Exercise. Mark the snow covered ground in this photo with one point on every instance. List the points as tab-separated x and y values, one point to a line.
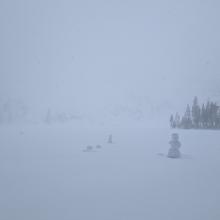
45	175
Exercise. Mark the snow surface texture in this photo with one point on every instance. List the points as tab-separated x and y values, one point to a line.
45	174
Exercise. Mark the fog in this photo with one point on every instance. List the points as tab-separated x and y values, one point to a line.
115	70
89	57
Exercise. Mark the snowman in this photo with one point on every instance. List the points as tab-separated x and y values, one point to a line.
110	139
175	145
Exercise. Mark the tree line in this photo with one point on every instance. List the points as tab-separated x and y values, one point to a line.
205	116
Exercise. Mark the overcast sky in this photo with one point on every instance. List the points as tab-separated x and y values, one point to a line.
82	53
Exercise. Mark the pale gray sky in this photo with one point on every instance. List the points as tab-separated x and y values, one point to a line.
75	53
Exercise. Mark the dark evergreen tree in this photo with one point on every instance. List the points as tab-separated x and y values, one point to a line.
196	113
172	124
177	120
207	110
203	117
213	115
218	117
187	120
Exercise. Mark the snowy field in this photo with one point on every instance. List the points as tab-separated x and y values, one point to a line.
45	175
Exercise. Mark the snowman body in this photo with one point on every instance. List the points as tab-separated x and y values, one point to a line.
175	144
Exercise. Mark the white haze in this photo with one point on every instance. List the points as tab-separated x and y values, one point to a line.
115	70
89	57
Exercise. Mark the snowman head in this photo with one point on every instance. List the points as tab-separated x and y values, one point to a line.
175	137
